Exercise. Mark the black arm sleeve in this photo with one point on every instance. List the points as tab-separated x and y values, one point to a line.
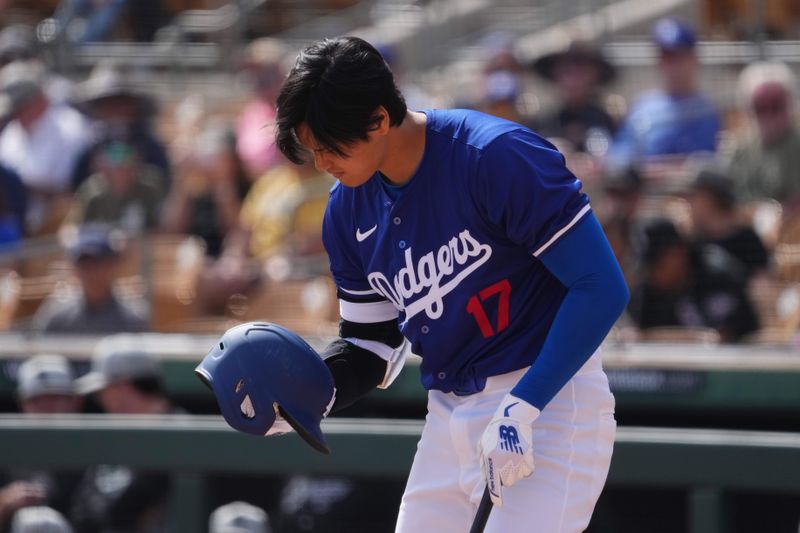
357	371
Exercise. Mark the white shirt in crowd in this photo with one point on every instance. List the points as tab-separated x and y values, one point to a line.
45	156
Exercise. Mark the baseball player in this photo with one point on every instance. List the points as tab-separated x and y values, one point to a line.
465	239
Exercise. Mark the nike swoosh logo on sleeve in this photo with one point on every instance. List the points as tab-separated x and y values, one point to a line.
361	236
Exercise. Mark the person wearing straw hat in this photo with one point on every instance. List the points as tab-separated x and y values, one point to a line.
120	108
577	74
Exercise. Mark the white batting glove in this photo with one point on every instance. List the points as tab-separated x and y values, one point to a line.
505	449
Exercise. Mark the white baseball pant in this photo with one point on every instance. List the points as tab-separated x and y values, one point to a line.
572	443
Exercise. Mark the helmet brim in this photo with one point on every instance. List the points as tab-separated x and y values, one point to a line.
308	431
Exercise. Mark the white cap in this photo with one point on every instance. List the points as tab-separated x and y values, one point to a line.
117	364
238	517
39	520
44	374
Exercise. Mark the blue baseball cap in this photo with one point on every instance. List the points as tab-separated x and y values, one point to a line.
94	240
673	35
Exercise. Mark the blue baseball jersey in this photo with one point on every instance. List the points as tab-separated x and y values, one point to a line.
454	256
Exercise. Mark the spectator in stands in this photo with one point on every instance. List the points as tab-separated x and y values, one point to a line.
18	42
13	205
96	252
88	21
119	109
501	91
677	120
717	222
333	504
682	286
124	192
238	517
124	380
622	189
499	54
39	519
44	386
765	162
282	213
281	218
264	65
206	196
41	143
13	195
577	74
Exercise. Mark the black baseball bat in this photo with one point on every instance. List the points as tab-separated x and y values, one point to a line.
482	516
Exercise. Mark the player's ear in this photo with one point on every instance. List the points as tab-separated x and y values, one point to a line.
381	121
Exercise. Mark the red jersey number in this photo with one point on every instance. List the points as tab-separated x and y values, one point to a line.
475	307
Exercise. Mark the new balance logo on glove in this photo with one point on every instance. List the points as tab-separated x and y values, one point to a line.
509	439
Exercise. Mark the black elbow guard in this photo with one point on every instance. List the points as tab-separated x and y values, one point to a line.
357	371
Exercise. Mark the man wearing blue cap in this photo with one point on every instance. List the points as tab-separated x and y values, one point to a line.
676	120
93	305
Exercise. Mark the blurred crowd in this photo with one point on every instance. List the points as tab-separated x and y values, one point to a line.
156	233
108	225
209	225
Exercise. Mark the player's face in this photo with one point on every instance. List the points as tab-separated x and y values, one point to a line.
360	161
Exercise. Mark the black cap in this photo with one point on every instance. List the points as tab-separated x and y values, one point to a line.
656	237
720	186
626	179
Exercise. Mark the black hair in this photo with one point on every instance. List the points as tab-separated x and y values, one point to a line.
335	87
658	236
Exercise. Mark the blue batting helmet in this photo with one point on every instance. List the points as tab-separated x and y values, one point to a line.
259	369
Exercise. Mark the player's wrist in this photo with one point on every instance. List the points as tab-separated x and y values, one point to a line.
520	410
